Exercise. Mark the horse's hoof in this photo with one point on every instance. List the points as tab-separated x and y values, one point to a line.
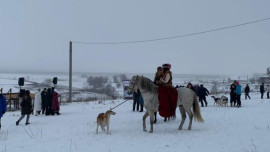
179	128
145	130
189	128
150	131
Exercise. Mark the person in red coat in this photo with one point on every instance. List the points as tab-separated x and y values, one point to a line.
55	103
167	94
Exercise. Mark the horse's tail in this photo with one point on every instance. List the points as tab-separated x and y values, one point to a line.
196	110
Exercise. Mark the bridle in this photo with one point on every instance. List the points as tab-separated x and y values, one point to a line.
133	85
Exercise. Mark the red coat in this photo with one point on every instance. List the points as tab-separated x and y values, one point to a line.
55	102
167	97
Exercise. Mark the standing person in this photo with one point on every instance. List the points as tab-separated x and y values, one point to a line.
37	103
233	94
3	107
55	103
141	101
262	90
202	93
190	86
48	101
238	94
43	96
27	108
136	96
268	90
247	90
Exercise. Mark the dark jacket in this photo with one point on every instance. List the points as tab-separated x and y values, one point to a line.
262	89
3	105
141	101
136	96
202	92
43	98
233	88
26	105
247	89
48	98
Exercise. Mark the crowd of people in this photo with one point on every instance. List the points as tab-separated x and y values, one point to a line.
46	102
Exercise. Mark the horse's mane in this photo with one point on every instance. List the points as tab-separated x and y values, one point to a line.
147	84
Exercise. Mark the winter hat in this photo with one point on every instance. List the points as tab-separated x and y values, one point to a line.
237	82
166	65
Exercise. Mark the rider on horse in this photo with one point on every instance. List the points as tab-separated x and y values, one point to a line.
167	94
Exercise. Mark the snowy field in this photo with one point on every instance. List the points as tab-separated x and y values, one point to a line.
225	129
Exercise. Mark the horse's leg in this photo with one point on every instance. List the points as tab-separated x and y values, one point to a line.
144	118
183	116
190	114
151	113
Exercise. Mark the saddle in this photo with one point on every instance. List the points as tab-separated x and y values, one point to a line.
167	96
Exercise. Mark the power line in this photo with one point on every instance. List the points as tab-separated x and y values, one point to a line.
171	37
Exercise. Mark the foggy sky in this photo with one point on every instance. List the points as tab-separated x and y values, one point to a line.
35	35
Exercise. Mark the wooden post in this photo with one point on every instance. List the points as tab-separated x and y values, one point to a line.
70	72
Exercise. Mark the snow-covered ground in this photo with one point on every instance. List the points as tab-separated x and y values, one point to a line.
226	129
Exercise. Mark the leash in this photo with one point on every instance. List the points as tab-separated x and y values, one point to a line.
119	104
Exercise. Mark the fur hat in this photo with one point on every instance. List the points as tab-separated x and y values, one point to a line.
166	65
159	68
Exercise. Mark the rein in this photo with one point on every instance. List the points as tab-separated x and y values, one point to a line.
119	104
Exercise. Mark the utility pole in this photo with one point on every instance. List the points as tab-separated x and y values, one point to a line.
70	72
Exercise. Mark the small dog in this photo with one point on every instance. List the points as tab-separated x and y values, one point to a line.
223	100
215	99
103	119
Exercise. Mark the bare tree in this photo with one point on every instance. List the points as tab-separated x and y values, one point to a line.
214	89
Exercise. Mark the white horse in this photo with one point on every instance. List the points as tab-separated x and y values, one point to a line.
187	99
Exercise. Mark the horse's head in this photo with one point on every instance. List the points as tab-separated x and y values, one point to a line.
133	87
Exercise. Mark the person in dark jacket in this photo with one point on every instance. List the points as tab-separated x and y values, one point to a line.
136	96
233	94
141	101
27	108
202	93
48	101
262	90
247	90
43	94
190	86
268	90
3	107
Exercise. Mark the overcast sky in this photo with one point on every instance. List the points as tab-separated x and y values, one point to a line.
35	35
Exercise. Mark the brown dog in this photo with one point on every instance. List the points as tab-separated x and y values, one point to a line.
103	119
